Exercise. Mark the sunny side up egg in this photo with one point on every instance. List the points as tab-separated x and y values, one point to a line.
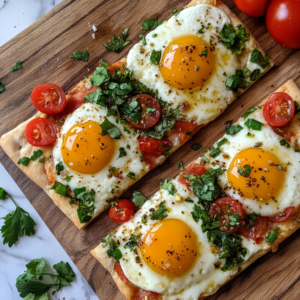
193	67
90	160
273	183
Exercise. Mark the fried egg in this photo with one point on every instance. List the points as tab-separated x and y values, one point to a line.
272	184
193	67
92	160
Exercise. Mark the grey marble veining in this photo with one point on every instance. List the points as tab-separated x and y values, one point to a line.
41	244
16	15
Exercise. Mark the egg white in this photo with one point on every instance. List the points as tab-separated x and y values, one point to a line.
101	182
289	193
208	101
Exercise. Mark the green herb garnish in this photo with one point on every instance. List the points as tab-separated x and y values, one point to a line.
80	55
169	186
138	199
149	24
247	171
18	66
253	124
155	57
257	58
160	213
117	44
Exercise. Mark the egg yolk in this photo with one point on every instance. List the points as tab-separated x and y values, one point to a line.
187	62
265	178
169	248
85	150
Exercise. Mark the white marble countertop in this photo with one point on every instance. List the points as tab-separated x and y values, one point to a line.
41	244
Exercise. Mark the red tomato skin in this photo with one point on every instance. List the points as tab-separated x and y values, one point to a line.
151	159
283	22
48	108
151	145
47	132
286	214
262	225
185	127
193	169
147	120
272	105
123	216
219	208
252	8
150	295
120	272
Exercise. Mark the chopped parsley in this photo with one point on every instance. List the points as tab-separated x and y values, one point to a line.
149	24
2	87
138	199
110	129
233	219
284	143
117	44
196	147
236	81
234	40
132	110
160	213
253	124
131	175
59	167
251	218
24	161
59	188
169	186
143	38
114	251
36	154
122	152
155	57
201	29
297	107
255	74
106	237
133	242
68	178
104	63
203	53
233	129
257	58
272	235
248	112
86	207
150	110
180	165
80	55
18	66
247	171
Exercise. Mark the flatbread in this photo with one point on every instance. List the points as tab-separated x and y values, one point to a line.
16	146
130	291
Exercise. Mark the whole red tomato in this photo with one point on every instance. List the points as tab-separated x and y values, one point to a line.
283	22
252	8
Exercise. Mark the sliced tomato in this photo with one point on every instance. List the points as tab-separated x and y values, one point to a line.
223	206
258	230
279	109
283	216
48	98
185	127
151	159
193	169
122	211
120	272
40	132
252	8
143	295
148	118
151	145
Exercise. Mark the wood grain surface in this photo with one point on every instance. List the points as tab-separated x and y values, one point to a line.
44	49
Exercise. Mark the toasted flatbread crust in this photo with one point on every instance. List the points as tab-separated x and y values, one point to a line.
286	228
16	146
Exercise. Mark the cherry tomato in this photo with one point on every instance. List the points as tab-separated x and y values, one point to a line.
150	295
151	145
252	8
193	169
122	211
48	98
258	230
219	208
120	272
279	109
151	159
284	216
283	22
40	132
148	119
185	127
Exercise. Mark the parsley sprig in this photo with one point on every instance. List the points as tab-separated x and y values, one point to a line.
117	44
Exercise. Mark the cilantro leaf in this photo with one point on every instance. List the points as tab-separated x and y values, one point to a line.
155	57
236	81
201	29
86	207
18	66
2	87
125	32
149	24
233	129
196	147
251	218
233	219
122	152
113	250
59	188
257	58
180	165
131	175
248	112
150	110
138	199
203	53
36	155
143	38
132	110
110	129
117	44
234	40
59	167
24	161
284	143
132	243
255	74
169	186
253	124
104	63
272	235
247	171
80	55
160	213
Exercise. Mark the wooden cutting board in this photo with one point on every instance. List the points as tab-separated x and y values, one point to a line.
44	49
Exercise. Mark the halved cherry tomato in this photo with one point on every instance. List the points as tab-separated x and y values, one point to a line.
185	127
279	109
258	230
48	98
120	272
283	22
150	295
151	145
73	104
122	211
219	208
284	216
193	169
148	119
40	132
151	159
252	8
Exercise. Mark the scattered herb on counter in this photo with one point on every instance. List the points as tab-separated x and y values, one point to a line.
18	66
2	87
196	147
149	24
180	165
104	63
117	44
16	224
138	199
80	55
